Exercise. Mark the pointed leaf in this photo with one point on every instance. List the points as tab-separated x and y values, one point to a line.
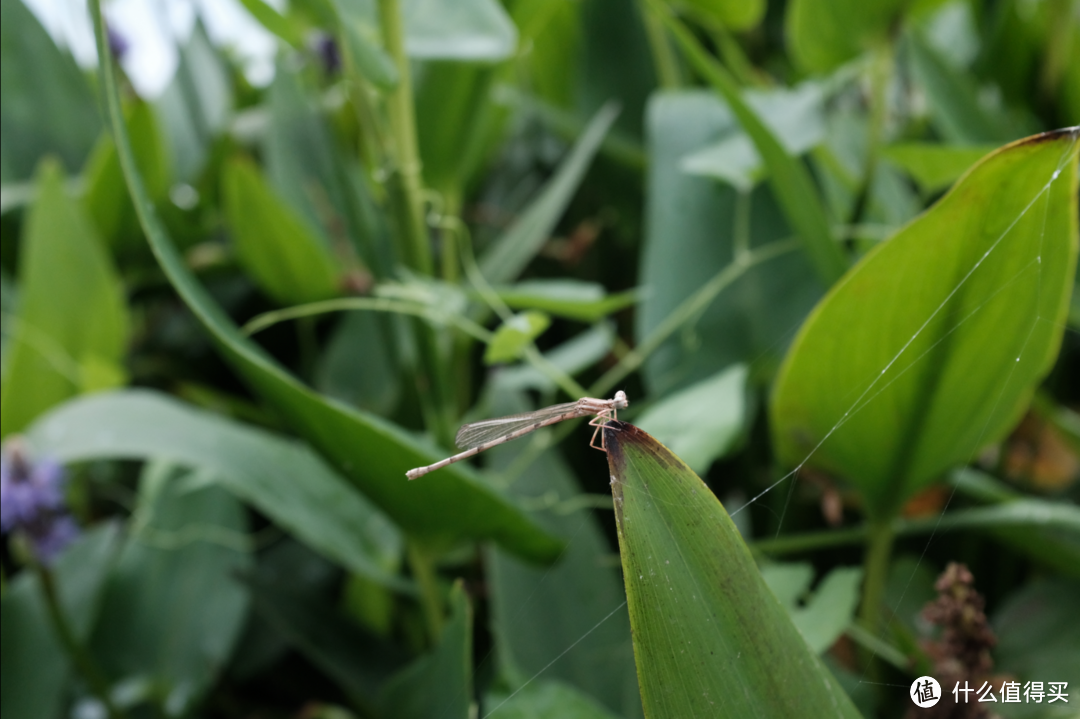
285	258
71	327
932	344
710	639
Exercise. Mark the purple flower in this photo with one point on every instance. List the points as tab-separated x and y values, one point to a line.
32	501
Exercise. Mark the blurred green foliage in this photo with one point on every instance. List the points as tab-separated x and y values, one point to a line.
808	239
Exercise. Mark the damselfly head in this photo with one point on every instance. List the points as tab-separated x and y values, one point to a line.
621	402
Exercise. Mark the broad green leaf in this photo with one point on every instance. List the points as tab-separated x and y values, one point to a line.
573	299
445	508
357	661
34	667
438	685
173	606
545	699
796	118
934	166
514	249
285	258
71	327
704	421
930	347
824	34
732	14
514	335
106	199
789	179
280	477
691	236
1038	636
710	639
537	615
45	101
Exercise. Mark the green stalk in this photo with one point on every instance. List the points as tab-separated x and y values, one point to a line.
407	191
876	573
406	195
83	661
423	571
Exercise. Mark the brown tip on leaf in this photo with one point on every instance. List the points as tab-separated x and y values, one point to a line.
618	436
1049	136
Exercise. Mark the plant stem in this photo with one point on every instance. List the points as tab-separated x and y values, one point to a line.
84	663
668	75
423	570
876	566
407	192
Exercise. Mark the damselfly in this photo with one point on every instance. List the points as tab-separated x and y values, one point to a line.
478	436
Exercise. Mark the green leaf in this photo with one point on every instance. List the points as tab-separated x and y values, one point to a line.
275	22
545	699
514	335
46	104
106	199
691	236
824	34
731	14
820	616
710	639
1038	636
357	661
197	106
364	42
458	30
255	465
796	118
173	608
953	99
34	667
933	166
71	320
938	336
704	421
283	256
437	685
444	509
537	615
789	179
573	299
571	357
378	388
514	249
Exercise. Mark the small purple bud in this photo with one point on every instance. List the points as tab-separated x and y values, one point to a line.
325	47
118	44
